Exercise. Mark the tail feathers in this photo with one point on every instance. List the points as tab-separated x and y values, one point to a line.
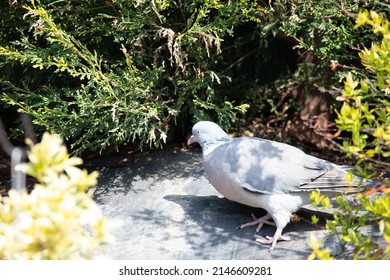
335	180
368	186
346	167
374	188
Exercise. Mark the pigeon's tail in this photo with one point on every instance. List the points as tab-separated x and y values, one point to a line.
334	180
374	187
369	186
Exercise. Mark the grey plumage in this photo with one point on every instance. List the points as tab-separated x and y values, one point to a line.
266	174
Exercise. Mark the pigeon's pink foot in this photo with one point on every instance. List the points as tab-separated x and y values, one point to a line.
272	240
258	221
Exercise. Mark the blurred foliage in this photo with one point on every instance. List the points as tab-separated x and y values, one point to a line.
58	219
318	251
365	113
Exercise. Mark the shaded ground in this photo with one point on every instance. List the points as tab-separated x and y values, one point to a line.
166	209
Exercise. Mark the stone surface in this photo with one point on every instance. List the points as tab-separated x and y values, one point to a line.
166	209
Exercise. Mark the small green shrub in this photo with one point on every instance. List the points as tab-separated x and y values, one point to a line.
106	72
365	111
365	114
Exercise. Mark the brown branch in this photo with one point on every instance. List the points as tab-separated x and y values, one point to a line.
238	61
182	12
345	12
27	128
341	148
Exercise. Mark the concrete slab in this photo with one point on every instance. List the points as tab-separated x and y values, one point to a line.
168	210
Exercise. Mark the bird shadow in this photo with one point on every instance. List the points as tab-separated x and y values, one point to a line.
218	220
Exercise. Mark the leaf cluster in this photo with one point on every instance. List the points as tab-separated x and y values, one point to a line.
365	114
106	72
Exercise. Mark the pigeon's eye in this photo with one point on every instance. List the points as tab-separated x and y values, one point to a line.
198	132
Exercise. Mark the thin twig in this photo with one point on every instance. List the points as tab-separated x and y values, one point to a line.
238	61
341	148
18	181
4	142
28	128
345	12
181	6
17	154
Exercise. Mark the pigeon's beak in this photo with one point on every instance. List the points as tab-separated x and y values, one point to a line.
190	140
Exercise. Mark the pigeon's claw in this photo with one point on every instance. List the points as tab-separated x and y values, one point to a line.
258	221
273	239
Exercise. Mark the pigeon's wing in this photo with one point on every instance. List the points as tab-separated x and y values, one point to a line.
334	179
270	167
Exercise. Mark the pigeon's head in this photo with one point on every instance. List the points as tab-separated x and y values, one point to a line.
207	134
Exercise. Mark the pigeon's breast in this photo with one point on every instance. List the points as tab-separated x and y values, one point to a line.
220	173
